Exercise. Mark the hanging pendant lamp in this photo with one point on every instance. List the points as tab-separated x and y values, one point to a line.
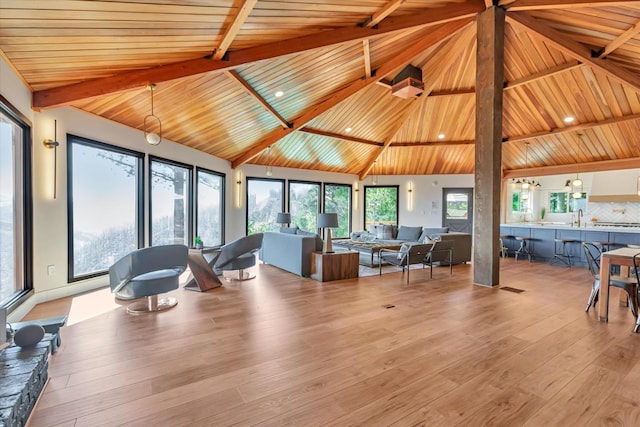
577	184
152	122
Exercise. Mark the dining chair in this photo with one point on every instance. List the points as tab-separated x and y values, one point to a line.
630	285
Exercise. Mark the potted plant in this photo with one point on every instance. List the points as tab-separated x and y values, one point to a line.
543	212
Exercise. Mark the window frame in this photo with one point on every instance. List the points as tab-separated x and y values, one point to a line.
196	198
320	197
139	222
189	193
246	197
26	214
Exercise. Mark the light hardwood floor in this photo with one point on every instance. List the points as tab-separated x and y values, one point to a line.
282	350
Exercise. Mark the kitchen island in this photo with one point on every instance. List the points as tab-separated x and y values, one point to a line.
543	235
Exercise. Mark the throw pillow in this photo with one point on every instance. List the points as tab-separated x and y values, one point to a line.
387	232
404	249
411	234
289	230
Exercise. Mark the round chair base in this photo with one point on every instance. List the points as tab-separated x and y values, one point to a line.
152	304
241	276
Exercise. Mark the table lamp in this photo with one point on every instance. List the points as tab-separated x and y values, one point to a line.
328	221
283	218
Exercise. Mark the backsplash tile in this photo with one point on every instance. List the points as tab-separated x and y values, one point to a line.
614	211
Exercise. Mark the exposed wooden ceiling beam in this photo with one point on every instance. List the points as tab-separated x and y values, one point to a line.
386	10
519	82
620	40
543	74
367	58
64	95
572	48
488	3
575	128
430	38
603	165
232	31
433	143
333	135
233	75
517	5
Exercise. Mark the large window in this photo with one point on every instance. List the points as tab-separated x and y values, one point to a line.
304	204
104	214
210	207
337	199
15	205
265	198
566	203
380	205
170	199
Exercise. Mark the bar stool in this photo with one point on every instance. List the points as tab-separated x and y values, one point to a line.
524	247
563	256
504	250
604	245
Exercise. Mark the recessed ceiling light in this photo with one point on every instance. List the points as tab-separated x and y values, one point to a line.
279	94
441	136
569	119
347	130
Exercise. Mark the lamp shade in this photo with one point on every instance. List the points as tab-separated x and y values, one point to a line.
328	220
283	218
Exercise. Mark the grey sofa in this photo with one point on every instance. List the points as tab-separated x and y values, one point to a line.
404	234
290	252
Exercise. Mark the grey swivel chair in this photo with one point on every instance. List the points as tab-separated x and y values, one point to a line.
409	253
147	273
239	255
440	254
630	285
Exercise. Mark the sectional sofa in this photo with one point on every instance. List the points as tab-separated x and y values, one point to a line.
392	234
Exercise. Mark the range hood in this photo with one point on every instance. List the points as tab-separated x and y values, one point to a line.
615	186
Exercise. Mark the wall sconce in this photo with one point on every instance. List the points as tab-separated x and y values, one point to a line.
151	137
355	199
410	196
239	189
53	143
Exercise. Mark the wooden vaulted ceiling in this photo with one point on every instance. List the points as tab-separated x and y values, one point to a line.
217	66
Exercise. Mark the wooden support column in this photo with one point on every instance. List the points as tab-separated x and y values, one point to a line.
489	86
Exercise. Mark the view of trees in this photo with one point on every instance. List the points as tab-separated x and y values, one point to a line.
265	198
337	198
381	205
304	205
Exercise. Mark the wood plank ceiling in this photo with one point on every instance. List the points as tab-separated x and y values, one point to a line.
218	65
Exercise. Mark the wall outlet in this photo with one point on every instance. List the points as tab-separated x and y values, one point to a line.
51	270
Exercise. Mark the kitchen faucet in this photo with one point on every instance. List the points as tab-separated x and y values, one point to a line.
580	213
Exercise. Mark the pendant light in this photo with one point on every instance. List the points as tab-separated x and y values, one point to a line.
525	183
269	169
152	122
577	184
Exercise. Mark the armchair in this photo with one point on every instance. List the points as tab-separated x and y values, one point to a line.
409	253
239	255
146	273
441	253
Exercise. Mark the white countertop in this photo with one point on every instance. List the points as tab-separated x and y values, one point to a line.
564	226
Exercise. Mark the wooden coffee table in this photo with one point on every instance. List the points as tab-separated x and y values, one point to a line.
371	248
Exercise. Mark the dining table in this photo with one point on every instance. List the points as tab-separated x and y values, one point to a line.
622	257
